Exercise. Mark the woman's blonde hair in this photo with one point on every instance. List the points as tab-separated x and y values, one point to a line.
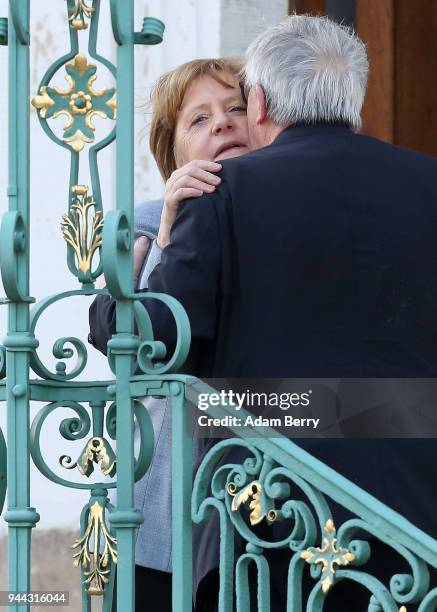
167	97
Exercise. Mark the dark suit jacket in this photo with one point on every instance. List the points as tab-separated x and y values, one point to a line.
316	257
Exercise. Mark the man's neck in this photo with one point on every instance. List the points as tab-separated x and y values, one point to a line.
271	132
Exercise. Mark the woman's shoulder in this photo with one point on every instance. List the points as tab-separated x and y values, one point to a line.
147	217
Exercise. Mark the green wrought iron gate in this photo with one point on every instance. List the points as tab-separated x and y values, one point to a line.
108	410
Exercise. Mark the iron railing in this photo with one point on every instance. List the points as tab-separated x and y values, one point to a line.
264	483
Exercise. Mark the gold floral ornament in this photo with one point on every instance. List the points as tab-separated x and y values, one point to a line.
79	103
259	505
82	232
328	555
77	15
96	566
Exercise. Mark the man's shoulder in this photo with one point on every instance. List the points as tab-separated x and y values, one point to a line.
396	150
406	166
304	151
245	168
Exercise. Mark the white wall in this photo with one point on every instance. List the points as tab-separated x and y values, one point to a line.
242	20
194	28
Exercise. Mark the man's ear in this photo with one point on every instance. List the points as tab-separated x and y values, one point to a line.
261	103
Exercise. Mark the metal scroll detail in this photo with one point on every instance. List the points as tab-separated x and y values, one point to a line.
137	359
94	403
328	555
80	102
95	565
97	547
259	506
295	518
82	232
78	14
97	450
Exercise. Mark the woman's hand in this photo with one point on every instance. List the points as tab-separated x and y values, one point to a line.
190	181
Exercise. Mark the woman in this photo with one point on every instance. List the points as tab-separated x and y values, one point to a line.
187	136
199	119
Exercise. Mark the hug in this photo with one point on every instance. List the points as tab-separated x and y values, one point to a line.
299	248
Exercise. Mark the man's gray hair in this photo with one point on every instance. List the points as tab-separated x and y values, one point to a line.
311	69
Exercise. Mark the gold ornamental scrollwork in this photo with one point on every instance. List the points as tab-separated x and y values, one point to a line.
43	102
79	103
254	492
78	14
328	555
82	231
97	450
96	565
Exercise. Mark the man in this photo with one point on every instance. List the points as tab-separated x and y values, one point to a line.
317	255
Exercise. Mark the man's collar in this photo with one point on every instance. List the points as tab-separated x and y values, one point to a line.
304	129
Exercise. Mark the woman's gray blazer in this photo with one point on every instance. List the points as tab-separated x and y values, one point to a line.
153	491
152	494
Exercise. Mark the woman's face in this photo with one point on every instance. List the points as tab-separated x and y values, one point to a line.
212	122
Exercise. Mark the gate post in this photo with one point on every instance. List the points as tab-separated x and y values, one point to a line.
19	342
124	344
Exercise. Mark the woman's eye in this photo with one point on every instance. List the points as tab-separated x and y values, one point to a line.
241	109
199	119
